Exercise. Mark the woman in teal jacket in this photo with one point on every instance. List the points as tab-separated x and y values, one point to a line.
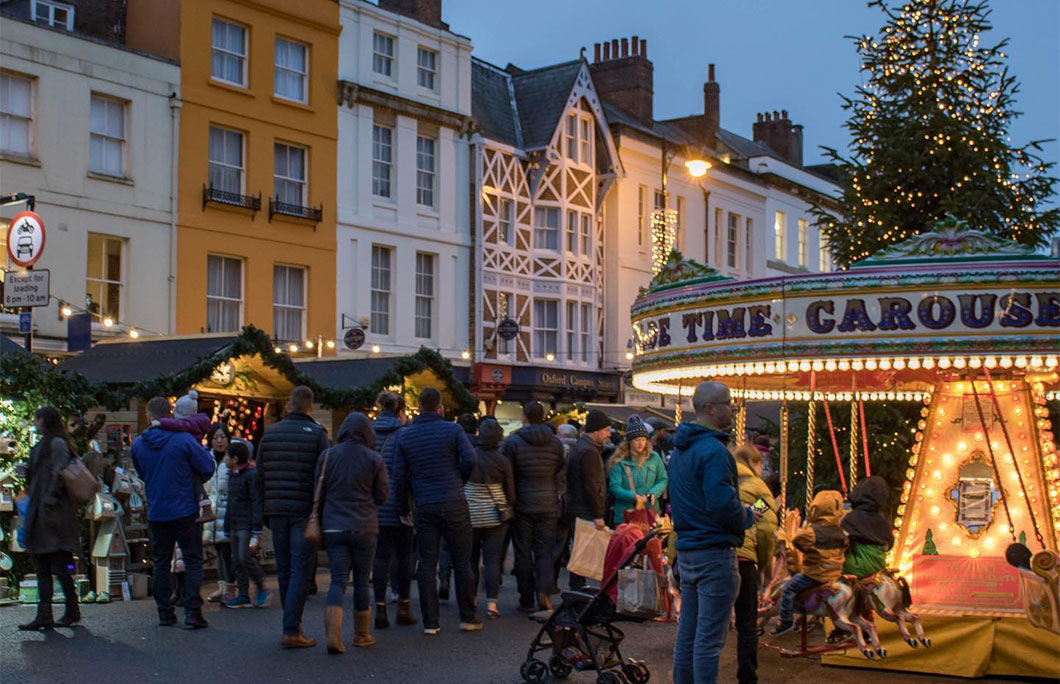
634	460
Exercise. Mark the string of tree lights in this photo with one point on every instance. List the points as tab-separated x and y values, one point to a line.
929	136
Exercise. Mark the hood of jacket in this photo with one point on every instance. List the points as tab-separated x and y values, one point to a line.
357	428
536	435
490	434
869	495
864	522
826	508
157	439
690	433
386	422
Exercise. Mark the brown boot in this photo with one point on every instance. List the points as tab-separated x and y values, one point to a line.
381	619
297	641
333	628
405	616
362	628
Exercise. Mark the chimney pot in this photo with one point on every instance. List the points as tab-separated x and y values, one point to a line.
710	72
635	45
776	115
614	48
783	113
607	51
759	117
625	47
596	52
644	47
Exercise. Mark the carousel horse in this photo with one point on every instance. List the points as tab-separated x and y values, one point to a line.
891	596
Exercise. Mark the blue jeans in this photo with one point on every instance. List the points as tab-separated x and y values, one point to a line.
710	581
795	586
294	560
451	521
346	551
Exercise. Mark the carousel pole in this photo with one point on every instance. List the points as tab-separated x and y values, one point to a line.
677	406
811	437
741	418
784	455
853	442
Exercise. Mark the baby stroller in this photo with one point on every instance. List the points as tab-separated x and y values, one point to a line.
580	629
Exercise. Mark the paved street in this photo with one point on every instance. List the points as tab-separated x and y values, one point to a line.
120	643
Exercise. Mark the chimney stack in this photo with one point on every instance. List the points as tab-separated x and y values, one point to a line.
427	11
624	79
783	137
596	52
711	109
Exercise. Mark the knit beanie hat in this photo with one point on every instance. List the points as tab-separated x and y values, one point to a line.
187	406
636	428
596	420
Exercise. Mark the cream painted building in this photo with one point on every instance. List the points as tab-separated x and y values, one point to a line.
89	128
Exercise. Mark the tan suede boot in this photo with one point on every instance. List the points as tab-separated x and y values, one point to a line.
333	629
362	628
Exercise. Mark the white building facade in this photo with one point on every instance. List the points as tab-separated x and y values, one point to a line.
404	244
90	129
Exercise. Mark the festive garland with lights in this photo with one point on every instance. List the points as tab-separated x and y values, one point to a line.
78	394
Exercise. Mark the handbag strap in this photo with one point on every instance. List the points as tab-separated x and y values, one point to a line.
320	483
490	492
632	486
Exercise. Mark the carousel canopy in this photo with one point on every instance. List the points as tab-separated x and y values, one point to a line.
947	300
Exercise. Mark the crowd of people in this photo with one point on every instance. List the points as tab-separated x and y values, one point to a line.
392	498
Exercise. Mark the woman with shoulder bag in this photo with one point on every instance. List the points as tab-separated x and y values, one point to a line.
636	474
52	530
490	493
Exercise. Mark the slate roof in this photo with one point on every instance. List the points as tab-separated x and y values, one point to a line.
660	129
540	96
120	363
744	148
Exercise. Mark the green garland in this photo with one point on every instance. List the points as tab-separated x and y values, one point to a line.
72	393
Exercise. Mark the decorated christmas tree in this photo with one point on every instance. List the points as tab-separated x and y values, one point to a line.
929	129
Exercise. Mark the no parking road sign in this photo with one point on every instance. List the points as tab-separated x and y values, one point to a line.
25	239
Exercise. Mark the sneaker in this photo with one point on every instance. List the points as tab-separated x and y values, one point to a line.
783	628
241	601
261	599
472	625
433	631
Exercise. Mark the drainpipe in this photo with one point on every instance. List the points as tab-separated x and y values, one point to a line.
477	343
706	226
174	178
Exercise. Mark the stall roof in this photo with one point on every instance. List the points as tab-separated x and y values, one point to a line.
9	346
120	363
341	373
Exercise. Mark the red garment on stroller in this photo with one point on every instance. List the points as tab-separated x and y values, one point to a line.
622	542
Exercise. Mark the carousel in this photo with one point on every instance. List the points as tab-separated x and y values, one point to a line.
965	324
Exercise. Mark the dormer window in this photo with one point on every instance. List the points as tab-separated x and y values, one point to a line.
54	14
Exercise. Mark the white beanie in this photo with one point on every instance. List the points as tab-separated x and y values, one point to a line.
187	406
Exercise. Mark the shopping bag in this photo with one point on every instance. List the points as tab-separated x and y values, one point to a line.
589	549
640	592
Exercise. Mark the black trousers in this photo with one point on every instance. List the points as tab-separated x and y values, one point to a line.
393	549
746	609
187	534
50	565
450	521
534	537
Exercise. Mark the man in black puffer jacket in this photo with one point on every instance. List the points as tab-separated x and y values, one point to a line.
537	460
287	458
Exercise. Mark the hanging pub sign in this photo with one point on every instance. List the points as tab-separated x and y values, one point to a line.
353	339
507	329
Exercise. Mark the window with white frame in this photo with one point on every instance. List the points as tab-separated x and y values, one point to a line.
546	327
572	137
16	114
382	154
425	170
572	231
228	61
224	293
586	323
505	218
425	266
54	14
804	242
288	303
226	160
107	136
780	238
824	263
105	276
718	257
381	260
587	235
732	240
288	180
383	54
291	75
546	228
748	246
642	200
426	68
585	139
572	330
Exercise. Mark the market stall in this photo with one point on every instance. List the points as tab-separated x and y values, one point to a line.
966	324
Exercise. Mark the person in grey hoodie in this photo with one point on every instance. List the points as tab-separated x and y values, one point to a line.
353	484
538	461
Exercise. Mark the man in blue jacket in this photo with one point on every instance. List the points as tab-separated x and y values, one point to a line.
169	463
433	459
709	521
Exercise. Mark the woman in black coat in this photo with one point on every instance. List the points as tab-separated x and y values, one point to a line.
52	531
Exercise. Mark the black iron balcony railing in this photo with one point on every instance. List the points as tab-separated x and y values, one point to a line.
230	199
314	214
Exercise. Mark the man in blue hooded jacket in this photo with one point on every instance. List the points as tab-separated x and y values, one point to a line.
169	463
709	521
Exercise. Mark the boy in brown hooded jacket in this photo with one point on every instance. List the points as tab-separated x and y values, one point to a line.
823	543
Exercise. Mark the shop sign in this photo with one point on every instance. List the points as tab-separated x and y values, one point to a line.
576	382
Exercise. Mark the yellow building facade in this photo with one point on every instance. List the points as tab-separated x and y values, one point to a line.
257	160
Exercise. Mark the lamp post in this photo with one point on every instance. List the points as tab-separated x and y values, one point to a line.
664	220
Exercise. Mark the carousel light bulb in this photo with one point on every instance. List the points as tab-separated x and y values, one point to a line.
899	364
990	362
1021	362
817	366
975	362
944	363
973	553
804	366
843	365
871	364
1006	362
914	364
1037	362
928	363
885	364
959	362
934	510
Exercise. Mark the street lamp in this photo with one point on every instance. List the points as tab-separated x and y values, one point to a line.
664	220
697	168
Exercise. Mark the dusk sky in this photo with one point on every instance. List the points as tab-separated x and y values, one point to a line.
770	54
